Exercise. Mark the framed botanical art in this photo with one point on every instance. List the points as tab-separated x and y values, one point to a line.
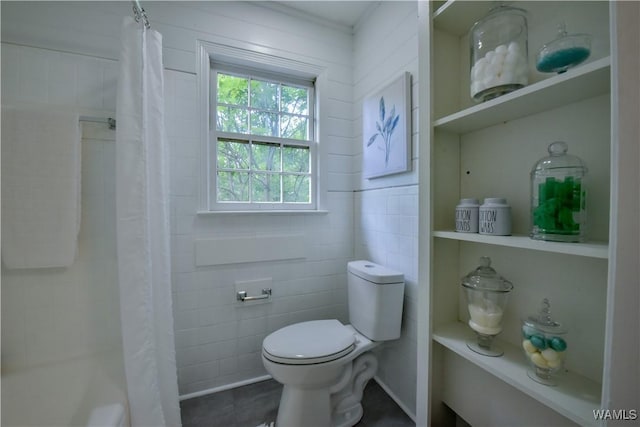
386	129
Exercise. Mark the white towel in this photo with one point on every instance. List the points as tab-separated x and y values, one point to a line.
40	187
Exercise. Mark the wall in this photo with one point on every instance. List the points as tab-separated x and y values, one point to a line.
56	314
217	340
386	209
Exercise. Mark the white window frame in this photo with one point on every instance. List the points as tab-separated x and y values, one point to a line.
266	65
251	139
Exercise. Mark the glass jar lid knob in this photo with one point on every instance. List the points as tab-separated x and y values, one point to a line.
544	321
558	148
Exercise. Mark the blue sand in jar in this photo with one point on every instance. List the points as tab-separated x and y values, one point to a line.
558	60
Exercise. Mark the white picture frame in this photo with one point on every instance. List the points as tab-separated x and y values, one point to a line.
386	129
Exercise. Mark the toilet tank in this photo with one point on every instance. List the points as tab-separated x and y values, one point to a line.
376	295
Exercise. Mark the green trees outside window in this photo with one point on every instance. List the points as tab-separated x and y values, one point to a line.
263	141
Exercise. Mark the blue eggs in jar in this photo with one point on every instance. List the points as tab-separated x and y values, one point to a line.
558	344
539	342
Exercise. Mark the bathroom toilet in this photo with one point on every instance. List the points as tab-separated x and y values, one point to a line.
325	365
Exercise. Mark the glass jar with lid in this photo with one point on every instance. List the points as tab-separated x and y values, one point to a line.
564	52
486	293
544	344
558	196
499	54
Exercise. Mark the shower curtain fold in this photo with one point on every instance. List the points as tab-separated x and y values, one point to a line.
142	200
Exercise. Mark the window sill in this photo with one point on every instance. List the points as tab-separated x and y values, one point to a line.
266	212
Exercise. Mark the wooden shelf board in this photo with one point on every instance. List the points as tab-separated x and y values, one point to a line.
575	85
575	397
590	249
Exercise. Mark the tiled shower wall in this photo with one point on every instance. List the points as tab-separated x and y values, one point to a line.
55	314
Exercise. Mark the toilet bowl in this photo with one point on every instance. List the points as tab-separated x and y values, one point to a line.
324	365
314	375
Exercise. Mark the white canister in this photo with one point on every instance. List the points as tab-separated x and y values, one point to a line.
467	216
495	217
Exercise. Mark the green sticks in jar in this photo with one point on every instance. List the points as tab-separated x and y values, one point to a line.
558	196
558	200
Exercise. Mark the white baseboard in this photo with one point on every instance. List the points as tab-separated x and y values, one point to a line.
395	398
225	387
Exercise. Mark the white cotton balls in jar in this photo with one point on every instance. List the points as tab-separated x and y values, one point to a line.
503	70
499	57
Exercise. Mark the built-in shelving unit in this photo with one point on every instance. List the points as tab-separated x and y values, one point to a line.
478	150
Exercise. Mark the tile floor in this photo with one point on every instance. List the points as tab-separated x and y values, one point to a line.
254	404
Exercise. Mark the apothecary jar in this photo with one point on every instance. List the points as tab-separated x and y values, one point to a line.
499	53
558	196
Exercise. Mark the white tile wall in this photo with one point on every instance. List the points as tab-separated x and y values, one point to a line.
386	209
217	341
387	234
50	315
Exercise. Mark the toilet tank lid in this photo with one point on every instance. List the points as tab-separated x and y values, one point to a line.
374	273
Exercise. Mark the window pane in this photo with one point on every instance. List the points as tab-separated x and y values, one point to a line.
264	123
266	187
231	119
266	157
233	90
295	159
293	127
233	154
264	95
262	153
295	100
296	188
233	187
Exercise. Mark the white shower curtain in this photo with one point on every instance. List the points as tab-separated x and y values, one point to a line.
142	199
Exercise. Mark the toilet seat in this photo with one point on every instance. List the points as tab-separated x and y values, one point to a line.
306	343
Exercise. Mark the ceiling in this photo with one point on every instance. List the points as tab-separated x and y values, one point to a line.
344	13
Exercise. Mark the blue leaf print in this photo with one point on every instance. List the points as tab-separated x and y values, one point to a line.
395	123
388	122
385	129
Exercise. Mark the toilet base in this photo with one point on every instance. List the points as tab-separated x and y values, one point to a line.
304	407
346	403
326	406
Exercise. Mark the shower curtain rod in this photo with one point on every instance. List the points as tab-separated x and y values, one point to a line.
109	120
140	14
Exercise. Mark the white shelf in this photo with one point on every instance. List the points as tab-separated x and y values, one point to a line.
575	85
591	249
575	396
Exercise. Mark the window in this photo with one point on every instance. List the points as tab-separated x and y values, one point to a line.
262	141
